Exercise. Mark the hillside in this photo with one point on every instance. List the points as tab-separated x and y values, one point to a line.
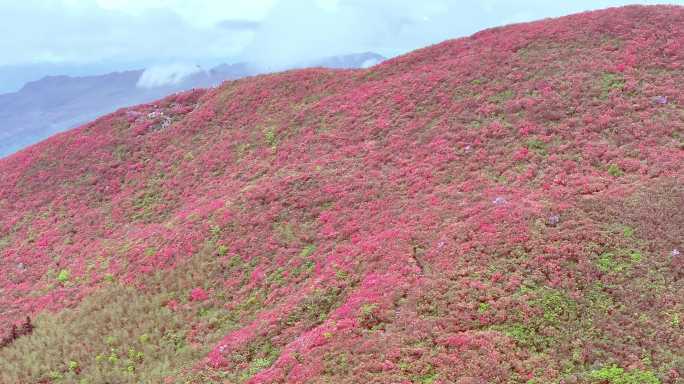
56	103
500	208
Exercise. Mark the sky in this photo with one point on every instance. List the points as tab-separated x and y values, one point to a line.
80	37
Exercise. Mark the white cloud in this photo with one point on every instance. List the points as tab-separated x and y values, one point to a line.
162	75
89	31
198	13
328	5
369	63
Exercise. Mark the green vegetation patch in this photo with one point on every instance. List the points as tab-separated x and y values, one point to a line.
616	375
337	364
537	146
270	137
307	250
611	82
614	170
63	276
258	356
556	306
525	335
145	204
502	96
316	307
618	261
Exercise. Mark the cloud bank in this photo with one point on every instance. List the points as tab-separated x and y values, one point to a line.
162	75
82	32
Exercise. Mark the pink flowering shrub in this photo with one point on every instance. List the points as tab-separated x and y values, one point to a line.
500	208
198	294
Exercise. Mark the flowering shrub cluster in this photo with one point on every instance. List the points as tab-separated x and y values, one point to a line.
501	208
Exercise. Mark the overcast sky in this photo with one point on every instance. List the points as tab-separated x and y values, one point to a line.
85	36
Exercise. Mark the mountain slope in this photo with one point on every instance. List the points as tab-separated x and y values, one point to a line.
56	103
502	208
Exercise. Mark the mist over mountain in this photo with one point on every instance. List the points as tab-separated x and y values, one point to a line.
56	103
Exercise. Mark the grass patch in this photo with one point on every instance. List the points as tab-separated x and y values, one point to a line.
502	96
258	356
537	146
121	334
308	250
145	205
144	342
337	364
316	307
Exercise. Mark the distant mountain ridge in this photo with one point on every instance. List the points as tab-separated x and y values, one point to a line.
56	103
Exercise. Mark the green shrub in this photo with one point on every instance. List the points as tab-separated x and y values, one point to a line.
73	366
616	375
614	170
270	137
222	250
557	306
63	276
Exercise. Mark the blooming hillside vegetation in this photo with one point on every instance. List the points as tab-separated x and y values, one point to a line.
501	208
